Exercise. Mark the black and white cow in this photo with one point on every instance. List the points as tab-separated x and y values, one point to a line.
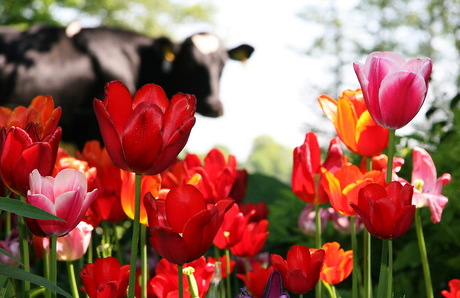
73	67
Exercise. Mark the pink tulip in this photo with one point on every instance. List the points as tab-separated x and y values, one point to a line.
72	246
427	187
394	89
65	196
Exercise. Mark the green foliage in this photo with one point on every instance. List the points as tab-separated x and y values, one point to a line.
152	17
270	158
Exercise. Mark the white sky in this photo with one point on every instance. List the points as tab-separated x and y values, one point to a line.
268	94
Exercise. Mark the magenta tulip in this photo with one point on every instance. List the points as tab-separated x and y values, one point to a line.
394	89
427	186
65	196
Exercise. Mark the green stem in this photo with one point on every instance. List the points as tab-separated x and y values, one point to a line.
24	247
330	289
319	287
390	269
53	262
72	279
117	244
227	271
135	238
383	281
354	246
423	254
193	286
391	153
367	251
144	261
180	284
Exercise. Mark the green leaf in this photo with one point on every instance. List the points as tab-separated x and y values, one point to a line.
25	209
2	251
18	273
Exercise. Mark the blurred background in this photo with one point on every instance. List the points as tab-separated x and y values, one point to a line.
303	49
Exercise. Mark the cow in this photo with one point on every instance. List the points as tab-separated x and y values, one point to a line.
73	65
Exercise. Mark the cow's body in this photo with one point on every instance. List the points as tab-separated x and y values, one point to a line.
74	69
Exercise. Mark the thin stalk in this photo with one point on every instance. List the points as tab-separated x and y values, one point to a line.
72	279
181	284
53	262
423	254
330	289
135	238
144	261
390	269
227	271
24	247
318	240
367	252
382	288
391	153
355	274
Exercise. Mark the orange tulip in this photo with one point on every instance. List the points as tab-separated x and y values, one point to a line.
353	123
343	186
338	263
149	183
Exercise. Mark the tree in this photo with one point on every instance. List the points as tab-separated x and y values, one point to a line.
153	17
270	158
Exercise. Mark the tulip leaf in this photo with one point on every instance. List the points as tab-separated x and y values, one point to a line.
2	251
25	209
20	274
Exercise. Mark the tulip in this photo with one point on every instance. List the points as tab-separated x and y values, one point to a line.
70	247
64	196
301	269
10	245
307	178
253	240
307	219
149	183
40	113
427	187
338	263
232	228
218	174
165	281
353	123
343	186
258	211
182	226
454	289
256	278
105	278
394	89
387	211
144	134
22	152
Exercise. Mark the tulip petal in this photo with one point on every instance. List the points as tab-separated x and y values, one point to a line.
118	104
424	169
169	245
401	96
151	94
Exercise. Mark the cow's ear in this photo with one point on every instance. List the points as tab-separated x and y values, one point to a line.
167	48
241	52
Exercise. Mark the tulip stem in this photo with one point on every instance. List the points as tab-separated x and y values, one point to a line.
319	287
354	291
135	238
72	279
180	281
144	263
423	254
227	271
391	153
367	252
386	270
24	247
331	289
53	262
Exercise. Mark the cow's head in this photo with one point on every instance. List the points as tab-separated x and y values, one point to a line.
197	68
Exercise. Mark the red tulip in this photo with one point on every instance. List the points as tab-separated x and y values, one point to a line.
301	269
307	178
387	211
253	240
182	226
454	289
394	89
353	123
232	228
256	278
22	152
105	278
64	196
144	134
218	174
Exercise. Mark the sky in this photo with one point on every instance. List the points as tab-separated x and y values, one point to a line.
267	95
